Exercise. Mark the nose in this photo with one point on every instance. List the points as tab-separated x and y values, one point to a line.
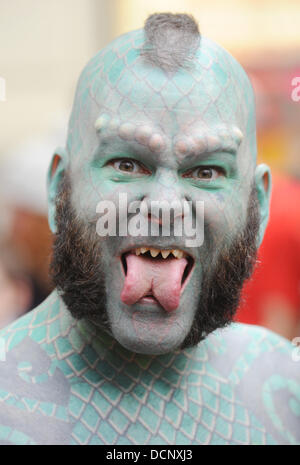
165	198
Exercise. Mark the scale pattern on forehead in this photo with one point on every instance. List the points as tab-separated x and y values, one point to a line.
118	82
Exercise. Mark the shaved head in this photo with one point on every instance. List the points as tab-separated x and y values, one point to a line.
169	55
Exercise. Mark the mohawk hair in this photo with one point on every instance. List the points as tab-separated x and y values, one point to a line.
171	40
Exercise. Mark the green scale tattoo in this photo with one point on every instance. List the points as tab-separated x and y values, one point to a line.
64	382
131	347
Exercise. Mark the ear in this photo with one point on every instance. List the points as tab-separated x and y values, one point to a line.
56	169
263	182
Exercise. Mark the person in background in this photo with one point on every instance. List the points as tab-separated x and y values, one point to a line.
25	237
17	294
272	297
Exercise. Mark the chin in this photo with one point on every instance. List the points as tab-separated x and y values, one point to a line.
146	328
149	345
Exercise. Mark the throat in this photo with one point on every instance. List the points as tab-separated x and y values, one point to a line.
127	369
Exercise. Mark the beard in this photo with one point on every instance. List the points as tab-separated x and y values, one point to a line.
77	272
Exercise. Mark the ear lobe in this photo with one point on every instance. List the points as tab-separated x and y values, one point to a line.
263	183
55	172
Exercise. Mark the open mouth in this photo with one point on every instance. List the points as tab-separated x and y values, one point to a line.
156	276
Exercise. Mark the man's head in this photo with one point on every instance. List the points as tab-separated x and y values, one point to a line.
159	114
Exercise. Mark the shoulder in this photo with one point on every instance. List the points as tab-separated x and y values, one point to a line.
248	347
31	330
31	346
34	391
264	371
256	338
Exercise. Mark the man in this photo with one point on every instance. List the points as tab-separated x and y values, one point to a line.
125	350
25	235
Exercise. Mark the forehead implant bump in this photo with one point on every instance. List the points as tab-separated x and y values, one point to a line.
156	143
127	131
114	124
237	135
227	139
101	122
144	134
184	145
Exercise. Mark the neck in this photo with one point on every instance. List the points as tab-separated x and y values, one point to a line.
100	350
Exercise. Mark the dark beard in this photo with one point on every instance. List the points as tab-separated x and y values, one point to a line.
221	289
75	267
77	274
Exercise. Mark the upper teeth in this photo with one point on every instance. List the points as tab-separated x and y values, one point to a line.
165	253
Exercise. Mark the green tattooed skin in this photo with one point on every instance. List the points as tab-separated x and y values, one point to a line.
155	119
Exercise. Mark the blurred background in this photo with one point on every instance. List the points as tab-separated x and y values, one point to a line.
43	47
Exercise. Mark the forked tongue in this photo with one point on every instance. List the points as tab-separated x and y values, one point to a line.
157	276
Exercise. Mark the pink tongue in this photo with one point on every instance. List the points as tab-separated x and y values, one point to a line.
157	276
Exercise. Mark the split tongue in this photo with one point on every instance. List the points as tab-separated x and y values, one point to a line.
157	276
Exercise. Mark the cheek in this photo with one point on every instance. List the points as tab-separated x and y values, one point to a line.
90	187
224	217
84	200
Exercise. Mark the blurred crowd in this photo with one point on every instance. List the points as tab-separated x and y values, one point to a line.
25	237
